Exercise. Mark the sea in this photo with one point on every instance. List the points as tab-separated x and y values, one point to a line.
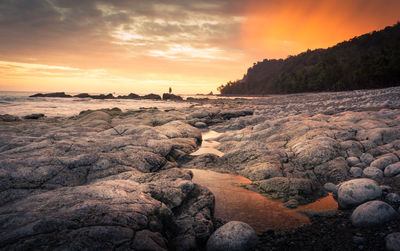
20	104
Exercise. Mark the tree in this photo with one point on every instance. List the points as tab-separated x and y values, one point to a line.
170	90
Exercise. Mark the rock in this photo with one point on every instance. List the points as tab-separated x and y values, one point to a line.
355	192
361	165
51	95
200	125
152	96
353	161
393	197
316	151
34	116
286	188
168	96
330	187
383	161
82	95
102	96
291	203
392	170
367	158
393	241
233	236
372	172
130	96
9	118
262	171
356	172
373	213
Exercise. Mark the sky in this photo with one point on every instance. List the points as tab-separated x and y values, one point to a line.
143	46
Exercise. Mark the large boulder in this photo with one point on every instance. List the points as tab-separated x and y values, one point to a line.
392	170
373	213
233	236
355	192
384	160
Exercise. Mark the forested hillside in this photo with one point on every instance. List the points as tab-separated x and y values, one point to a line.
368	61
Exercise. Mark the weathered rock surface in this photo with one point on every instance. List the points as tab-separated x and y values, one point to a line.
87	183
234	236
355	192
373	213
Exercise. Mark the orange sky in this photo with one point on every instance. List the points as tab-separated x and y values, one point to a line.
147	46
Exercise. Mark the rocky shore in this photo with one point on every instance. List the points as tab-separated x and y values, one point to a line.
108	179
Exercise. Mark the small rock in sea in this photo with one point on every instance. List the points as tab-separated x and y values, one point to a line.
392	170
355	192
356	172
373	213
34	116
372	172
233	236
367	158
330	187
393	197
200	125
9	118
353	161
291	203
393	241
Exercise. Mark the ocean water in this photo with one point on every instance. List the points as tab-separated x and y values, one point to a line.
20	104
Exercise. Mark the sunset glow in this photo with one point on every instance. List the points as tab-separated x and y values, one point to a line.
148	46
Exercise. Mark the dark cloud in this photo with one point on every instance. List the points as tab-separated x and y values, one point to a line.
39	26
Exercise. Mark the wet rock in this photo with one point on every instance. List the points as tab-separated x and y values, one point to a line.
291	203
233	236
392	241
392	170
356	172
383	161
373	213
34	116
355	192
372	172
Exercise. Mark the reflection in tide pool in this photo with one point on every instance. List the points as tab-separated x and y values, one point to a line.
237	203
208	145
